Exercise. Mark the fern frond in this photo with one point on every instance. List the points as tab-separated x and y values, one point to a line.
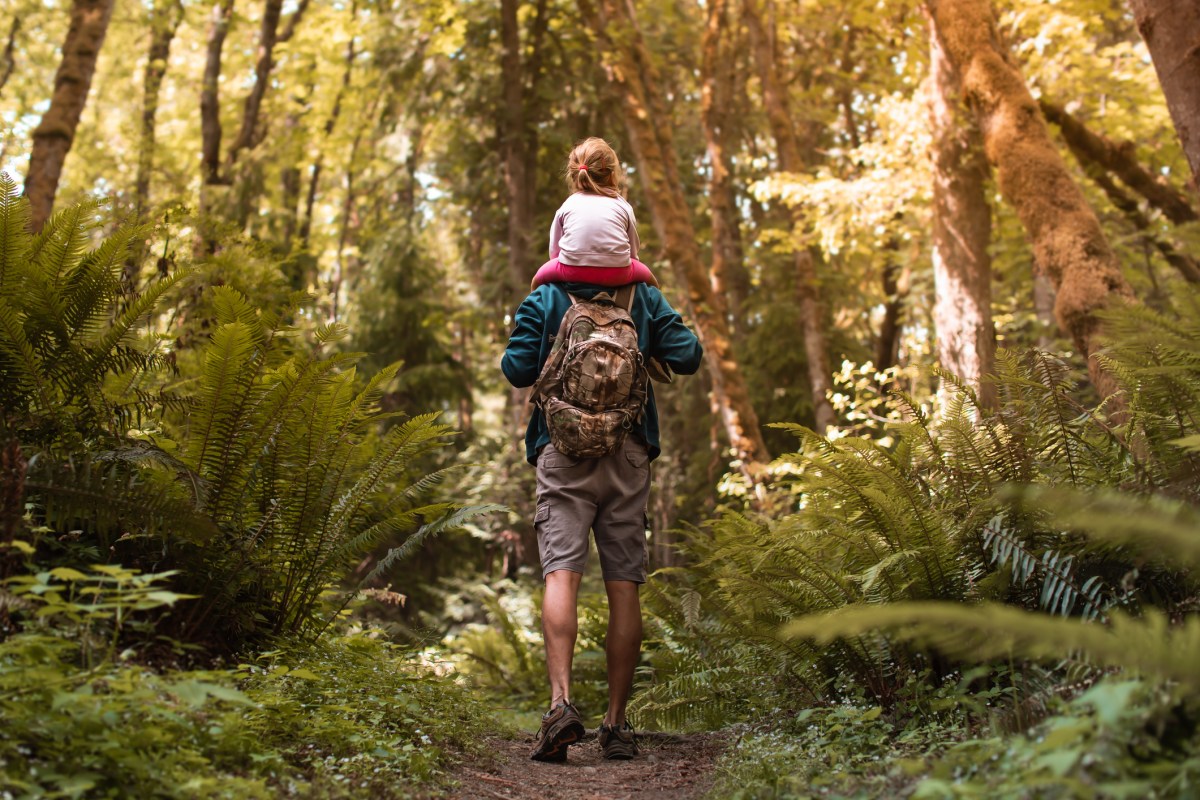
15	239
455	519
1149	645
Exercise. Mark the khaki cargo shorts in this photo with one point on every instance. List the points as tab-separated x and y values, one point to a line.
606	495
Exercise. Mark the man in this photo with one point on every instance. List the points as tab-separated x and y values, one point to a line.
605	494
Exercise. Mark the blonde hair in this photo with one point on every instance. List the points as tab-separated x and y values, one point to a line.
593	168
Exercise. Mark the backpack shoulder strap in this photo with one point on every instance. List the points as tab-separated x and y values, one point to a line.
624	297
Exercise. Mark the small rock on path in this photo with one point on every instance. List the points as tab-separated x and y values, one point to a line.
668	767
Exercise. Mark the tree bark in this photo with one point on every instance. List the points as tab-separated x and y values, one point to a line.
1171	30
631	71
164	23
1067	242
55	133
718	79
791	159
1119	159
962	229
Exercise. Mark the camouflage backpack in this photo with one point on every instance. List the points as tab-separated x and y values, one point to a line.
593	386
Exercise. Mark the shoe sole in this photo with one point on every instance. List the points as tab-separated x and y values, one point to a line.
555	749
620	754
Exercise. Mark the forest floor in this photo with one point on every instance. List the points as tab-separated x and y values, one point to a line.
669	767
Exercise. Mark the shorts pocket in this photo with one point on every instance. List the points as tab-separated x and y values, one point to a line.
637	454
551	458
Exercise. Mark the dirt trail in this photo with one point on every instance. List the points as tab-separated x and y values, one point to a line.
668	767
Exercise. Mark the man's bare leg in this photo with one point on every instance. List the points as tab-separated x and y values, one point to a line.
560	626
622	647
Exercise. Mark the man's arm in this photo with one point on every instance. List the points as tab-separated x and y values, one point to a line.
673	342
520	361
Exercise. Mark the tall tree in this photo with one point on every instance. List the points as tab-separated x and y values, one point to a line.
250	131
631	70
211	179
791	159
513	140
1068	243
962	230
1171	30
54	134
164	22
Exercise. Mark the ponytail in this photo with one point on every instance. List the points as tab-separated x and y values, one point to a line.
593	168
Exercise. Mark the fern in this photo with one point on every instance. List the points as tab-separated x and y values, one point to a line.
1060	590
1149	645
970	505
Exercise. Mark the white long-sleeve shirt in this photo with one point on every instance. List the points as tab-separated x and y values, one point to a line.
594	230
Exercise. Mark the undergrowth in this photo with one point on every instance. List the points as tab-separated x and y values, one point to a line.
350	717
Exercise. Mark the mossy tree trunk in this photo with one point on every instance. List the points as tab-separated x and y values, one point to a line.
55	133
1171	30
630	69
1068	245
718	77
962	229
791	159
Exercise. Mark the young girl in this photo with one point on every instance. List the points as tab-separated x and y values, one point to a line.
593	238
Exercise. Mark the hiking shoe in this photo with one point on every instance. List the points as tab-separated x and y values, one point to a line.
618	743
561	727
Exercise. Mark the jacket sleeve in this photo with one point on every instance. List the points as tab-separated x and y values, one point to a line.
520	360
673	342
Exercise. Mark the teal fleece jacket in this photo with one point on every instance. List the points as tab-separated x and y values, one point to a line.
662	334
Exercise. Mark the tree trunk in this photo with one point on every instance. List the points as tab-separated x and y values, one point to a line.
1065	236
516	160
1171	30
895	289
330	124
164	22
718	79
54	135
210	93
630	69
791	159
212	183
249	134
1119	159
9	57
962	229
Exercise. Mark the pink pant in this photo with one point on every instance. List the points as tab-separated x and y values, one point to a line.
554	272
